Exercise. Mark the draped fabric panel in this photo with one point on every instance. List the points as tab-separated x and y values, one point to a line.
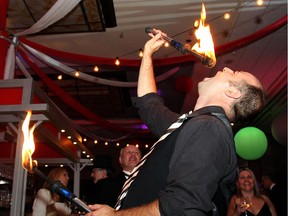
55	13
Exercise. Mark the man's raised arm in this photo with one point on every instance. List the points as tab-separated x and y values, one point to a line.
146	80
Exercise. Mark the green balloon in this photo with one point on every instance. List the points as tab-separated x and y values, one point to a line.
251	143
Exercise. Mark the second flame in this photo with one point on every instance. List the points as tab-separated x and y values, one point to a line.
28	144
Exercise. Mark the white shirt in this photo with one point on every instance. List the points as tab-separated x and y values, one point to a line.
44	205
127	173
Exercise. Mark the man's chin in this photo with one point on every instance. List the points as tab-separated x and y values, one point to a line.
133	164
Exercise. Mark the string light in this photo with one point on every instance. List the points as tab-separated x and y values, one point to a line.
77	74
166	44
106	143
227	16
140	54
59	77
96	69
260	2
117	62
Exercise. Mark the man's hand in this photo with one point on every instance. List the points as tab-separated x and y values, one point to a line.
101	210
151	209
155	43
146	80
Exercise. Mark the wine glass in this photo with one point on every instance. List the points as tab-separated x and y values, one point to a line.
246	204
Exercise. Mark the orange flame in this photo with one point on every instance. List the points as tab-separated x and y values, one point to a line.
205	45
28	144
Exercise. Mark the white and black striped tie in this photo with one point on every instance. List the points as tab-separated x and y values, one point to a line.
136	169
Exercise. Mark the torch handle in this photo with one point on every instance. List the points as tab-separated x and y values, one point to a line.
205	60
58	188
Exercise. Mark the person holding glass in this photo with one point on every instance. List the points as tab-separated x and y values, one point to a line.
248	201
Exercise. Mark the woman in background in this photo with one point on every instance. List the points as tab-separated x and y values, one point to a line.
248	201
47	203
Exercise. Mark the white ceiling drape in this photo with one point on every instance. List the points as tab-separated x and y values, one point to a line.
71	72
54	14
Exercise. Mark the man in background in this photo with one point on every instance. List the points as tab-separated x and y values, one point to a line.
129	157
101	169
276	192
110	188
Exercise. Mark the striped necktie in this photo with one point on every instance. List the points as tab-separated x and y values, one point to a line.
136	169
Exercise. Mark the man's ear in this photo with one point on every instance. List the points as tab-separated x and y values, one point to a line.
233	92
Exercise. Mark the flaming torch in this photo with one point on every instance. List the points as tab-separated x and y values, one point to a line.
31	166
205	45
203	49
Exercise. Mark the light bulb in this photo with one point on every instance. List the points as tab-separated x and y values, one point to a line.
140	54
227	16
260	2
117	62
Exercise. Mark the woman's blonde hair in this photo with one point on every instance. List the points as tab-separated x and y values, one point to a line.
54	175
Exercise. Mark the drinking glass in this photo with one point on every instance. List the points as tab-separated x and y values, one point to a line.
247	205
